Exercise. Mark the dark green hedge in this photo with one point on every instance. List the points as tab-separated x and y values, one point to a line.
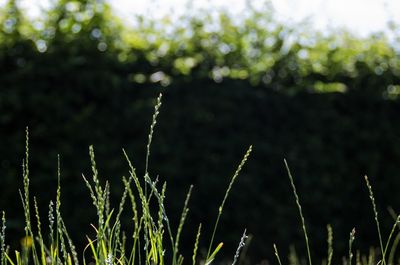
74	93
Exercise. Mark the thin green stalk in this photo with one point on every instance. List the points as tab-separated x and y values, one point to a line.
393	249
25	198
185	211
51	229
351	240
118	243
396	223
277	255
371	196
70	243
3	239
220	209
330	244
135	236
300	211
59	233
196	245
150	136
41	243
100	198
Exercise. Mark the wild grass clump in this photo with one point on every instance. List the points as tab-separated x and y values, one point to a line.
153	240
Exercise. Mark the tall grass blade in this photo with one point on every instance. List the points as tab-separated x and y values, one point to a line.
221	207
277	255
184	214
371	196
150	136
330	244
300	211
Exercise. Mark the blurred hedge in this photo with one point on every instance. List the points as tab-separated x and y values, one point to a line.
328	103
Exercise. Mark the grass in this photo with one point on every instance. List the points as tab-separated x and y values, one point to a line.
152	237
370	259
153	240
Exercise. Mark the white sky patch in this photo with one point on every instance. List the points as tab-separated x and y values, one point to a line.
360	16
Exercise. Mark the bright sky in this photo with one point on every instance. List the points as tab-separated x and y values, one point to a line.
360	16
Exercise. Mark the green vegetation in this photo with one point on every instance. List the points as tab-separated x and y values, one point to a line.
110	244
85	35
151	226
359	260
328	102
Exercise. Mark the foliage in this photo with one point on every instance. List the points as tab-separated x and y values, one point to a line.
327	102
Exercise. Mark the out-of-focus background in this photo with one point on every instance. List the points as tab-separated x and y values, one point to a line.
315	82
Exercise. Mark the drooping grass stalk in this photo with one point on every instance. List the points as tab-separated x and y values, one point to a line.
371	196
277	255
196	245
221	207
351	240
330	244
242	243
300	212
